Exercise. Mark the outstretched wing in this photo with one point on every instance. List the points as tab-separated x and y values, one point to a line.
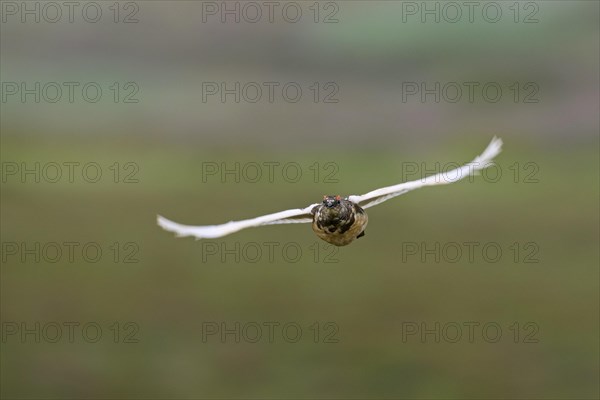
298	215
380	195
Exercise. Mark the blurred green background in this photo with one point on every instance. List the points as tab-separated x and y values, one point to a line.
375	288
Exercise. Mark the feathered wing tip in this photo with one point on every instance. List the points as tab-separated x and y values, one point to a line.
171	226
488	155
214	231
199	232
480	162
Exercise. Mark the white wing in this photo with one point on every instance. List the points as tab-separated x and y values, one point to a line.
380	195
298	215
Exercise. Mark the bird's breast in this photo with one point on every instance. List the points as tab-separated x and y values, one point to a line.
339	226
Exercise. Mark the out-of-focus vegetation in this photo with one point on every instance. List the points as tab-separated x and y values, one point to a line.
371	136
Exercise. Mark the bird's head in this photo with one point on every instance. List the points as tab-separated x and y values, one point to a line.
331	201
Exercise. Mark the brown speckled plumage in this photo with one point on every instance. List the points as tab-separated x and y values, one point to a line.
338	221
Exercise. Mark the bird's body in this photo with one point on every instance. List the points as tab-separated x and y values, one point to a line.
338	221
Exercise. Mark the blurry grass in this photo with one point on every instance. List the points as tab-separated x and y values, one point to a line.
369	293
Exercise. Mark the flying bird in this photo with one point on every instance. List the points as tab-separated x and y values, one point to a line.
337	220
